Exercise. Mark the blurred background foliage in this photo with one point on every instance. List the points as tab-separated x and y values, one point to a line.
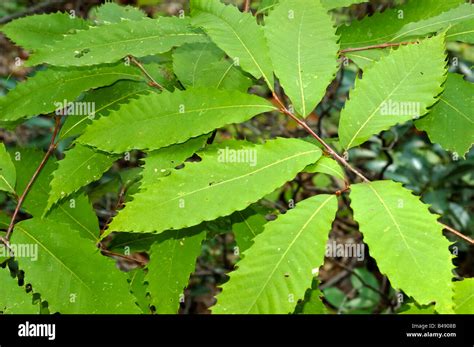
403	154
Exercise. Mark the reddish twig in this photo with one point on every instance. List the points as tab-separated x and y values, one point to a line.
382	45
457	233
328	148
153	83
336	156
51	148
247	5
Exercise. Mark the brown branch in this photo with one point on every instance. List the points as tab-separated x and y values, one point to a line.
123	256
247	6
328	148
51	148
336	156
120	198
153	83
382	45
457	233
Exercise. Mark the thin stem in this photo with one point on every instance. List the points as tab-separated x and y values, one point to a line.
328	148
457	233
336	156
382	45
123	256
51	148
153	83
247	6
120	198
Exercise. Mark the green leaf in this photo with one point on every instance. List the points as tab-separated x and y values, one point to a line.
246	225
463	32
40	31
451	121
293	30
327	166
160	163
312	304
7	171
200	192
159	120
13	298
398	88
205	65
76	212
464	296
462	13
69	272
172	260
139	288
80	166
237	33
276	271
105	100
111	12
50	89
385	26
406	240
110	43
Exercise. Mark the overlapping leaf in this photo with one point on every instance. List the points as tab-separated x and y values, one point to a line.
398	88
80	166
327	166
41	31
60	275
406	240
172	260
75	211
13	298
246	225
200	192
111	12
237	33
7	171
464	296
276	271
451	121
386	26
205	65
159	120
303	48
110	43
50	90
105	100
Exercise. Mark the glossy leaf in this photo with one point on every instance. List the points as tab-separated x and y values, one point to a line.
276	271
398	88
13	298
55	88
303	48
236	33
111	43
172	260
80	166
99	288
451	121
406	240
163	207
159	120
